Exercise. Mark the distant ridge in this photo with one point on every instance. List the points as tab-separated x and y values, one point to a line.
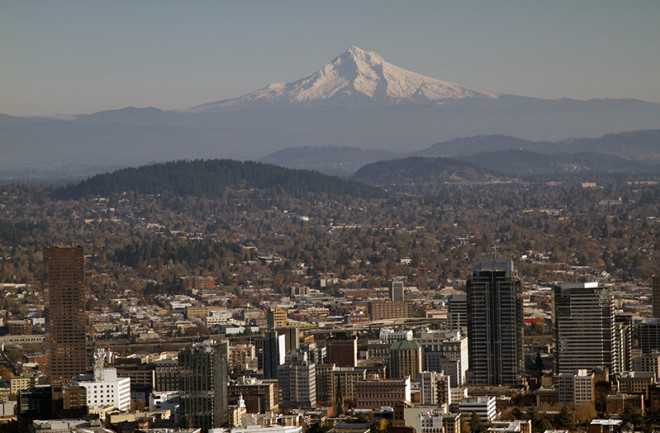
210	178
418	170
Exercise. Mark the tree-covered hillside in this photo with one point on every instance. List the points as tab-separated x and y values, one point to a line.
209	178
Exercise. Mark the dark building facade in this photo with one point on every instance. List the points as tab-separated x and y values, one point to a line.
66	305
584	328
203	385
495	324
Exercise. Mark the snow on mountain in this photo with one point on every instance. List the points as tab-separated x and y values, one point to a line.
354	77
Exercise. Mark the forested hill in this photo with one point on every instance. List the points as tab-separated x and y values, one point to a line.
420	170
210	178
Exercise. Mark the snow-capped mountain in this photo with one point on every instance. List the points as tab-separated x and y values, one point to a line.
354	77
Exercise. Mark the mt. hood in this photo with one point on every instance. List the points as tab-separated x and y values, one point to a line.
355	77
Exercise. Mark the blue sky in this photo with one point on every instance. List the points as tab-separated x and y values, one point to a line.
62	57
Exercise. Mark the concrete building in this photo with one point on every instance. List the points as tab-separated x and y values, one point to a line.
584	328
405	359
296	381
434	421
616	403
203	385
647	363
276	318
623	327
331	381
517	426
457	317
634	382
495	324
66	306
648	332
397	291
104	388
260	396
446	351
576	388
374	392
434	388
342	350
385	310
485	407
389	336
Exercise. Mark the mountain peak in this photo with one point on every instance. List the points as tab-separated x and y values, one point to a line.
355	77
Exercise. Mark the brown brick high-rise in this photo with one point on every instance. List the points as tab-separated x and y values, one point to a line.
66	304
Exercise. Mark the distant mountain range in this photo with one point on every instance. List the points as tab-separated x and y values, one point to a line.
358	100
628	152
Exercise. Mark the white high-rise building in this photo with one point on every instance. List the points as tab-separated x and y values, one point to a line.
104	388
446	351
435	388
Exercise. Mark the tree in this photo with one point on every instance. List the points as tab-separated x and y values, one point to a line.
564	419
585	412
475	423
631	415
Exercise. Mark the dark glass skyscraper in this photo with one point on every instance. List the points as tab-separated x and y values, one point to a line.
203	385
584	328
495	324
66	305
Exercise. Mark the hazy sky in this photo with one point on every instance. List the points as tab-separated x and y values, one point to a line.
62	57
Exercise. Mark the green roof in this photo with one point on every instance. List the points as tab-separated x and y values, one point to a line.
405	344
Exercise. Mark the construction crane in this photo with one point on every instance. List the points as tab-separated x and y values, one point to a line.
419	275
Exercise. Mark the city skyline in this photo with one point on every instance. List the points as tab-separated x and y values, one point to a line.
68	58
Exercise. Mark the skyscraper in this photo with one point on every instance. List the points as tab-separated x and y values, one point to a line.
584	328
203	385
457	312
495	324
277	343
296	381
66	305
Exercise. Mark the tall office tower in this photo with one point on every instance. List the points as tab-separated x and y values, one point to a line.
274	353
277	343
584	328
623	328
396	291
342	350
203	385
495	324
66	305
296	381
457	312
649	335
405	359
655	290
